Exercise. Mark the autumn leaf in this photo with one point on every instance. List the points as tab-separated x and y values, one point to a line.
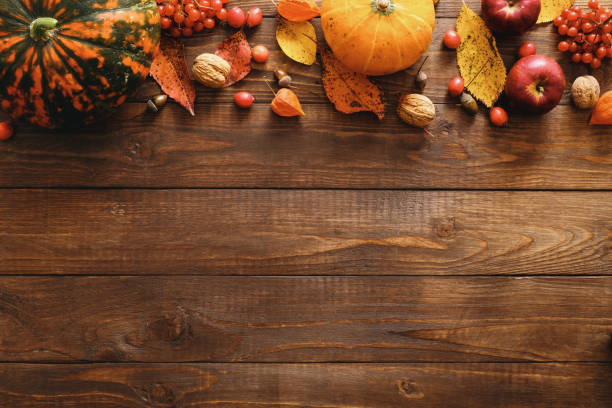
552	8
286	103
298	10
170	71
298	40
237	52
480	63
350	92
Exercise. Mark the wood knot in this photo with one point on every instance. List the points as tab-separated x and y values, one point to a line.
118	209
139	150
158	395
409	389
172	328
445	227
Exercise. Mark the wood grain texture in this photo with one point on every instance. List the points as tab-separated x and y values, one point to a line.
304	232
316	386
305	319
324	150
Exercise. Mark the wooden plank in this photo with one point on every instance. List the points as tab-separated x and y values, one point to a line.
305	319
440	67
325	149
321	386
304	232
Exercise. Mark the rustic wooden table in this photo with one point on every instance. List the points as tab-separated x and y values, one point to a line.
237	259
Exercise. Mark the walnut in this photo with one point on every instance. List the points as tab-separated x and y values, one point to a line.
585	92
416	110
211	70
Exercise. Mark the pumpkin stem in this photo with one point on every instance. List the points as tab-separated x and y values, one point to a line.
43	28
383	5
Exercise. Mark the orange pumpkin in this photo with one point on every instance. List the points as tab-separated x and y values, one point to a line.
378	37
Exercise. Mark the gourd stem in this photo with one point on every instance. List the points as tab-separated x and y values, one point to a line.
383	5
43	28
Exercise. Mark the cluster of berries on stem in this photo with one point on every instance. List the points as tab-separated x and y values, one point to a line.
183	18
586	33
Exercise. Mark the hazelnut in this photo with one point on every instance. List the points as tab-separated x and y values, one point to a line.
211	70
585	92
416	110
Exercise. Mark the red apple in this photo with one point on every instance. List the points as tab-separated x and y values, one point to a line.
510	16
535	84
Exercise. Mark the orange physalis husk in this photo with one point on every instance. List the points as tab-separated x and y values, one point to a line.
602	113
298	10
286	103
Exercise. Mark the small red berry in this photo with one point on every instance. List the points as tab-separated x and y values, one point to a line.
254	17
236	17
587	57
260	53
243	99
527	48
6	130
209	23
451	39
563	46
222	14
498	116
596	63
166	23
456	86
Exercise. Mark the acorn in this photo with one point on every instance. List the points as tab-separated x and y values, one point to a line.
160	100
279	73
285	81
154	104
421	81
468	103
151	107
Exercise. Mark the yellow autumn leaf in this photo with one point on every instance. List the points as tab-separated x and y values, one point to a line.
480	64
298	40
552	8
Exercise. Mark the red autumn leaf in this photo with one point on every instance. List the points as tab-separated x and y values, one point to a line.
286	103
170	71
237	52
298	10
350	92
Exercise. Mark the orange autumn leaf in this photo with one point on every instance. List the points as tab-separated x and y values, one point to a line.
350	92
237	52
602	113
170	71
286	103
298	10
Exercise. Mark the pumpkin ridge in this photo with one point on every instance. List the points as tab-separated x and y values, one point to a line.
75	75
403	23
19	57
355	27
423	46
24	8
139	56
369	59
140	7
398	65
4	16
44	83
